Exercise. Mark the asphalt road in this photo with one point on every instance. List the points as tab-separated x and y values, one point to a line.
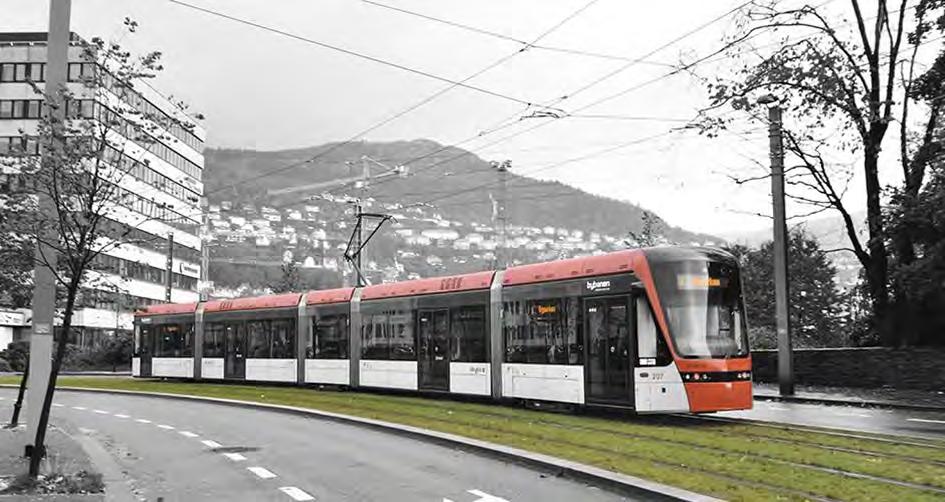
919	424
182	450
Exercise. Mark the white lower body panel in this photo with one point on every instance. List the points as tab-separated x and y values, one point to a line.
470	378
176	367
389	374
135	366
272	370
545	382
211	368
330	371
659	390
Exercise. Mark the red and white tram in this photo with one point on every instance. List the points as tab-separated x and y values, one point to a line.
652	330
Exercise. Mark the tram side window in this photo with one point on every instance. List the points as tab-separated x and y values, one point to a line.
213	340
257	335
283	338
543	331
330	337
389	336
468	333
271	338
174	340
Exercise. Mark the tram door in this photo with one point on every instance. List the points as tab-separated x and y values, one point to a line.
610	350
145	350
234	352
434	340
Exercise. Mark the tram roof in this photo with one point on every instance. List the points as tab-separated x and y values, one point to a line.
432	285
168	309
586	266
338	295
256	303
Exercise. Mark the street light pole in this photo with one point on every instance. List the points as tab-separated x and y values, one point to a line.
501	216
781	279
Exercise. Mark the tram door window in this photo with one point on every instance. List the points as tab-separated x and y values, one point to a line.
234	351
434	360
610	349
144	348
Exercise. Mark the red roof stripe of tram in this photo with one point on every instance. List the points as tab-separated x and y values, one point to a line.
465	282
610	263
168	309
259	302
339	295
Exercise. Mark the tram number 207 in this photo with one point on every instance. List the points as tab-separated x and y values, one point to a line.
451	283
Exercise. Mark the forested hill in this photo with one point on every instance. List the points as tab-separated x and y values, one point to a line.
457	183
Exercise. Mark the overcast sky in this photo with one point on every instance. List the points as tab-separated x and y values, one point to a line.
267	91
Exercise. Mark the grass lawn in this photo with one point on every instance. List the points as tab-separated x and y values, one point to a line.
731	461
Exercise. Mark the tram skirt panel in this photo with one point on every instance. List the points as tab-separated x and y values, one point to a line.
327	371
211	368
172	367
544	382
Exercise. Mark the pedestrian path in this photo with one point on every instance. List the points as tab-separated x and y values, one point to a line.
898	398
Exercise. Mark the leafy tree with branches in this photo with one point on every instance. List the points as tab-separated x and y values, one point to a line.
845	83
94	136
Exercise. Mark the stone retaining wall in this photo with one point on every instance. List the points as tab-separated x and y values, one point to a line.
905	368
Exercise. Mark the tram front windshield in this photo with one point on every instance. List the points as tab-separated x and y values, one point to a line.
703	307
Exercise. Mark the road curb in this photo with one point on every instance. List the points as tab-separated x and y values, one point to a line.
840	402
621	483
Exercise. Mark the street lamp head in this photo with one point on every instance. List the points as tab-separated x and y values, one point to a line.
768	99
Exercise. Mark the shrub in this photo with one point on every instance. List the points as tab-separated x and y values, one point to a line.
4	365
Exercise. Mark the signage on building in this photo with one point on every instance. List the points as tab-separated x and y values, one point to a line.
186	268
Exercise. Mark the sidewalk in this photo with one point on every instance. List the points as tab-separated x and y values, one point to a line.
850	396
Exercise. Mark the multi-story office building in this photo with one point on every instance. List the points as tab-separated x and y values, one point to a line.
163	183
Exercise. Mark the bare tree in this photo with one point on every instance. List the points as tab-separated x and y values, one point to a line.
844	82
91	161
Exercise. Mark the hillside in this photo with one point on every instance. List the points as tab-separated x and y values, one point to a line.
457	183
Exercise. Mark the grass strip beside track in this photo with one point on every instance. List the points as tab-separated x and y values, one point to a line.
731	461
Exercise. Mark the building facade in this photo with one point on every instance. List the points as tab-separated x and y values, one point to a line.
163	182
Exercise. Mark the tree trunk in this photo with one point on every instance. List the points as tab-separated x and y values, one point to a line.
19	397
877	268
39	447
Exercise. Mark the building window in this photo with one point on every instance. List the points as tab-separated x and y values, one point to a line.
468	335
330	338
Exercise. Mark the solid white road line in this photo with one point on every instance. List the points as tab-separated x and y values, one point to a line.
143	420
262	472
168	427
926	420
236	457
210	444
296	493
101	412
80	408
188	434
119	415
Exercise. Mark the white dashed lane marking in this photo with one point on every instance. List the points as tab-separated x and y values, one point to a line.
57	405
262	472
119	415
188	434
167	427
926	420
101	412
296	493
143	420
210	444
236	457
777	408
80	408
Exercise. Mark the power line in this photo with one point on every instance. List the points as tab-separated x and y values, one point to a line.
397	115
501	36
352	53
